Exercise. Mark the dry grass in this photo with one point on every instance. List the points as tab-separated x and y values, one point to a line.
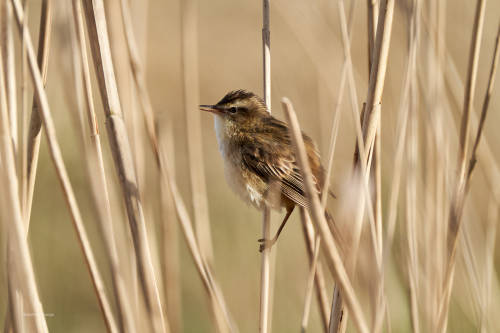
417	211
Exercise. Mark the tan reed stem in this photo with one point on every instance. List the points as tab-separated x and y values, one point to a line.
486	103
221	313
329	248
122	156
13	221
7	45
458	199
377	73
225	324
310	286
170	235
138	73
99	185
189	42
13	317
62	174
321	293
338	316
265	297
198	182
35	123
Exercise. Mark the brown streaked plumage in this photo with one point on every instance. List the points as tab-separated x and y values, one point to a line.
259	157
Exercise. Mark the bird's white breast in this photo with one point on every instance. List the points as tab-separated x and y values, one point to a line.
232	166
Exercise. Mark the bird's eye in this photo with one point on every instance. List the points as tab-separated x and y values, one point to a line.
233	109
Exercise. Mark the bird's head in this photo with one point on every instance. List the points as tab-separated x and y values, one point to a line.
239	107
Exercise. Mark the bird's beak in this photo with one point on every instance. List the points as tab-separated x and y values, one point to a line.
212	108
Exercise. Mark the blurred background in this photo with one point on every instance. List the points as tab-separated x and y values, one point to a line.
307	58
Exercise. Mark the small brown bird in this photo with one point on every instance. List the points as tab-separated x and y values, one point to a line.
259	156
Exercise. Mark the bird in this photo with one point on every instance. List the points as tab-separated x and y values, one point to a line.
260	164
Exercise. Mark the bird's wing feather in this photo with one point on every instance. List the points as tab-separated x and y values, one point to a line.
274	161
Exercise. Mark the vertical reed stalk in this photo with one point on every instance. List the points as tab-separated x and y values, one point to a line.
12	219
486	103
35	123
372	19
170	235
458	200
99	185
189	43
266	216
122	155
321	294
62	174
330	249
310	286
7	46
377	73
221	313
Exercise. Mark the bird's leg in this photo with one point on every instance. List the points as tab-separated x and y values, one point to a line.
267	243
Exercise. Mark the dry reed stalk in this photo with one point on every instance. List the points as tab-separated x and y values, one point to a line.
401	138
377	73
265	297
339	325
458	200
336	119
25	121
491	227
136	67
265	276
189	48
359	149
138	73
469	257
338	318
14	315
472	261
403	115
411	206
129	96
486	103
9	68
134	127
329	248
122	155
378	300
310	286
371	129
225	324
466	172
62	174
221	312
456	87
339	315
372	19
99	185
170	238
198	182
436	198
491	231
321	294
18	251
35	123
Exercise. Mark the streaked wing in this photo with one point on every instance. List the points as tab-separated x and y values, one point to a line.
274	161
